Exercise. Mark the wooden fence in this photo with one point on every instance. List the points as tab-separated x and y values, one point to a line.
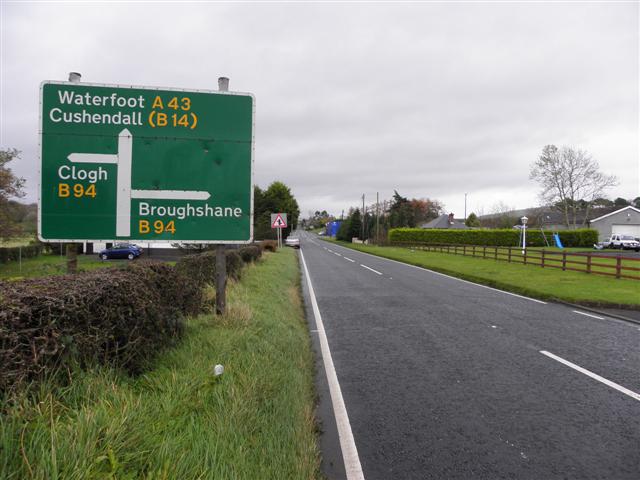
618	266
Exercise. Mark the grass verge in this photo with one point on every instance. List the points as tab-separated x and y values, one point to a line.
530	280
177	420
45	265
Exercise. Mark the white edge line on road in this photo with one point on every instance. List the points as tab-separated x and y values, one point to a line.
369	268
595	376
347	443
449	276
348	259
587	314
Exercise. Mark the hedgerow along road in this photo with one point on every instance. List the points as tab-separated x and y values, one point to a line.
422	375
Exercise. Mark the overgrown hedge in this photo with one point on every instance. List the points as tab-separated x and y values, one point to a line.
108	316
493	237
202	267
12	254
112	316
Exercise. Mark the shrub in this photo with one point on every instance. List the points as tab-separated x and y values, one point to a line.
493	237
13	254
269	245
120	317
202	267
250	253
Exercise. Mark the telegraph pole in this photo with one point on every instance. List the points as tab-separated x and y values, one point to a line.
465	207
377	218
363	217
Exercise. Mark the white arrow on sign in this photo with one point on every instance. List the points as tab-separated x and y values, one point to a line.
124	193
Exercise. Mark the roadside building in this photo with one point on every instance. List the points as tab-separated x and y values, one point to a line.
624	221
445	221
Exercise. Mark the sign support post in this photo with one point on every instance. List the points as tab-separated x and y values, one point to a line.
221	256
71	248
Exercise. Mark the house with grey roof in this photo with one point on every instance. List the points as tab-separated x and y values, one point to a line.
445	221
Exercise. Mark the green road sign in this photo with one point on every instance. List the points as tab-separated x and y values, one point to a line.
145	164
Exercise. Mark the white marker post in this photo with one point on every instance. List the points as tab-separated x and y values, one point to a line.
524	235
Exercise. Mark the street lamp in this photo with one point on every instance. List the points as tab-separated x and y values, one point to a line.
524	233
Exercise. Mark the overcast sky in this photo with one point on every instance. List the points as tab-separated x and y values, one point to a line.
432	99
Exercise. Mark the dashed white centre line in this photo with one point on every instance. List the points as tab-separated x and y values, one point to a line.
336	253
588	314
348	259
369	268
595	376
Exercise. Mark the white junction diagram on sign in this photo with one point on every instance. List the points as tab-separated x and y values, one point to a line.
124	193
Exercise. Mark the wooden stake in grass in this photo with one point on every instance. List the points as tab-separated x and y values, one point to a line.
72	258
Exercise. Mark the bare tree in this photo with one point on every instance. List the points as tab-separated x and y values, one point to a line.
568	176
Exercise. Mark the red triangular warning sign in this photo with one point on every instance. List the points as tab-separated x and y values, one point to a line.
279	222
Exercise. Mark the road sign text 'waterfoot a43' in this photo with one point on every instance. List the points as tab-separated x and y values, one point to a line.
146	164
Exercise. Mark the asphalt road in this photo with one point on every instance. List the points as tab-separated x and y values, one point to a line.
446	379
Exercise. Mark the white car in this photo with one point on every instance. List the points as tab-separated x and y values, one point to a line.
623	242
292	242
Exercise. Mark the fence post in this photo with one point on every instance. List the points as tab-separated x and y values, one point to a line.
484	251
495	257
524	258
542	259
474	251
509	260
564	260
618	265
464	250
589	262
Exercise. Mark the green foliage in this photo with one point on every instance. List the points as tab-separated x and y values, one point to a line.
414	212
494	237
108	316
13	254
472	220
202	267
178	421
275	199
10	186
344	230
351	227
250	253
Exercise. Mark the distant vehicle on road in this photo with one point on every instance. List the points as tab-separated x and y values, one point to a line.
623	242
292	242
121	250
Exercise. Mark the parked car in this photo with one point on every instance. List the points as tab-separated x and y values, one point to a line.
292	242
121	250
623	242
